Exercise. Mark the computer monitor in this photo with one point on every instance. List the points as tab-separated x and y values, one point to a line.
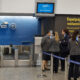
45	9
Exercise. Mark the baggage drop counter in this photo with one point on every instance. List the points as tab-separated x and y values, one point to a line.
25	54
16	55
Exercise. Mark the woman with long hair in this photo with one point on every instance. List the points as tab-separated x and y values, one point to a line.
54	48
75	56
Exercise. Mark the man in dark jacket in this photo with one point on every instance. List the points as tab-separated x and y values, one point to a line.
64	47
45	45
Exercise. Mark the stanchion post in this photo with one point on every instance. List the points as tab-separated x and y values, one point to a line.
51	66
2	56
31	55
16	57
41	75
66	68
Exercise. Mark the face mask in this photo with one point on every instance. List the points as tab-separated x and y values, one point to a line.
77	38
51	32
50	37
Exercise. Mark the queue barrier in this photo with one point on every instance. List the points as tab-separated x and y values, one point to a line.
71	61
61	58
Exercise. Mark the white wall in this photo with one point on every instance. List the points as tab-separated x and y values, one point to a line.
28	6
17	6
67	7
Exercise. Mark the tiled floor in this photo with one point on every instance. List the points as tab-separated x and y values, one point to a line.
27	73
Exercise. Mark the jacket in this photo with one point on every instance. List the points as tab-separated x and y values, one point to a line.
64	45
54	46
74	47
45	43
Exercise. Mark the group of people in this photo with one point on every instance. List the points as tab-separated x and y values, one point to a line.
69	45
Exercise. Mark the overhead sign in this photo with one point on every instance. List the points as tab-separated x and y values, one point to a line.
45	8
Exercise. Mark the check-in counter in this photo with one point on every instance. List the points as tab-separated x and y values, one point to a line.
37	51
18	55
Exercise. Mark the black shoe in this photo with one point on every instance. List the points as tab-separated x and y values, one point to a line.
62	69
69	78
75	78
47	69
55	71
43	70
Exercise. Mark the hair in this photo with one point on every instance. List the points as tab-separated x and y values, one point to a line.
48	33
66	31
56	36
74	35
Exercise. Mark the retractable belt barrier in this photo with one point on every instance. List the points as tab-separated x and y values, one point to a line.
71	61
66	64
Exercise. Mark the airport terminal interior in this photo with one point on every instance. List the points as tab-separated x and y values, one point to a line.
25	25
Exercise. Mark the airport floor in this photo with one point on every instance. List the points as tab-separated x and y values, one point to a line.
27	73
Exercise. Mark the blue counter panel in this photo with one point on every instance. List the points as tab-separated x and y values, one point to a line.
26	28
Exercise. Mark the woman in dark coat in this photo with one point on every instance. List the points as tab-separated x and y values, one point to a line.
75	56
64	50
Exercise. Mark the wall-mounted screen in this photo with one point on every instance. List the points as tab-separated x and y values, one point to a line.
45	8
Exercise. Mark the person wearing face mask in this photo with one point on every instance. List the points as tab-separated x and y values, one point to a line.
54	48
64	47
75	56
45	45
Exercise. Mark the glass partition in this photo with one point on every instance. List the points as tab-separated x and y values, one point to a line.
24	52
8	53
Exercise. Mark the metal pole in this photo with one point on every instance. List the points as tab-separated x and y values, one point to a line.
51	66
16	57
2	56
41	75
31	54
66	68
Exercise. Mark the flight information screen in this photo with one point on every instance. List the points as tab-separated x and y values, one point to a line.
45	8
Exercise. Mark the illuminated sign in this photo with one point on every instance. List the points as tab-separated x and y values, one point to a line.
45	8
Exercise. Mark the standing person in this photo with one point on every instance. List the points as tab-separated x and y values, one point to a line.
45	44
74	55
64	48
54	48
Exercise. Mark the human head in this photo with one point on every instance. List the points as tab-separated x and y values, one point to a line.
65	31
74	35
50	32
